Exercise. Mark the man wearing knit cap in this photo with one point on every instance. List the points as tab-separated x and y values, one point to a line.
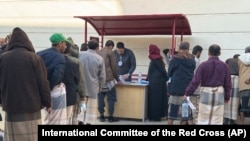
55	63
244	89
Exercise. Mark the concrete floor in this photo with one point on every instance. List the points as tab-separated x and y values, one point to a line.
126	122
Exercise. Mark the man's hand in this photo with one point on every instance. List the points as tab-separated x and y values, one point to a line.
84	99
226	101
247	81
48	109
119	82
184	97
125	76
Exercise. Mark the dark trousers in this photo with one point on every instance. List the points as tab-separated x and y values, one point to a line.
111	95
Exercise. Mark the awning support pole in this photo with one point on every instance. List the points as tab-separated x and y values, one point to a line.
86	31
173	37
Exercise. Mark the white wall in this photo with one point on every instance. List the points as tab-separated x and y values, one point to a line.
223	22
40	35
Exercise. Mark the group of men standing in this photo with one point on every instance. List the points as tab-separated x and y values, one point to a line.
101	70
57	80
219	89
60	79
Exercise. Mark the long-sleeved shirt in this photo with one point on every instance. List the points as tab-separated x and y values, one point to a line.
55	64
211	73
233	66
244	70
128	62
94	71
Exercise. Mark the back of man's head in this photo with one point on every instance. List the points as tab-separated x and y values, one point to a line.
184	46
84	47
109	43
93	44
197	49
214	50
247	49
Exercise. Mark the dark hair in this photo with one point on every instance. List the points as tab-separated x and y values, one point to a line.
93	44
247	49
197	49
236	55
109	43
184	46
84	47
165	51
120	45
214	50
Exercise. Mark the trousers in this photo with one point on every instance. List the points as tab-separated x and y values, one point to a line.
111	99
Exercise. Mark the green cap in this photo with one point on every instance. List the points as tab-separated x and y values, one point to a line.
58	37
